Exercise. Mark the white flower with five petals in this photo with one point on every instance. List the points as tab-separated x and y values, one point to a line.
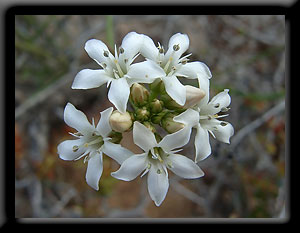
117	71
92	142
205	114
155	160
171	65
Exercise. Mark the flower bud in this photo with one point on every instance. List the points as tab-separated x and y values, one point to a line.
139	94
170	125
169	102
193	96
142	114
157	86
149	126
120	122
116	137
156	106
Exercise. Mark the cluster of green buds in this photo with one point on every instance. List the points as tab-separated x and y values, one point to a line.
153	107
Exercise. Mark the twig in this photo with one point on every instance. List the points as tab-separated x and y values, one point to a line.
44	94
63	202
187	193
64	80
255	124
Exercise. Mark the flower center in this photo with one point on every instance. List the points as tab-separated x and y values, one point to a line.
94	140
157	153
115	66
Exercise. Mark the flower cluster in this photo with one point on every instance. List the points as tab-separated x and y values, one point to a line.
152	102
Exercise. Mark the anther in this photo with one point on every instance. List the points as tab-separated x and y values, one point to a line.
223	123
105	54
78	134
184	61
170	165
121	50
224	109
176	47
75	148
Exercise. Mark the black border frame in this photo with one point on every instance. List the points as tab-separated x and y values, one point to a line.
56	9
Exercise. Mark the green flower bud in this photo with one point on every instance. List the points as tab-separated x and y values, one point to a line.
157	117
139	94
142	114
170	125
156	106
116	137
150	126
156	85
120	122
169	102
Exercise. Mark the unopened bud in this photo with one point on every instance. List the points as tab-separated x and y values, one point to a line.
142	114
156	106
157	86
169	102
120	122
139	94
116	137
170	125
193	96
149	126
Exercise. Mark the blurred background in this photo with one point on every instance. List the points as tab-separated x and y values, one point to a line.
245	179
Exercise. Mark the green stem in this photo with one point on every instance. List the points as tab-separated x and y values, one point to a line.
110	31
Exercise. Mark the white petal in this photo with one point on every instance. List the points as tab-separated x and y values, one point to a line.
184	167
175	89
144	72
131	167
221	129
116	151
189	117
131	44
77	120
118	94
94	170
158	184
178	39
175	140
202	145
221	100
143	137
204	85
95	49
87	79
103	126
65	149
205	71
148	49
192	69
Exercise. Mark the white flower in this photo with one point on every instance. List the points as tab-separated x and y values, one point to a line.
92	141
171	65
117	71
155	160
207	122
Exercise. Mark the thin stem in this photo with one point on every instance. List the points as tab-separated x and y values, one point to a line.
110	31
